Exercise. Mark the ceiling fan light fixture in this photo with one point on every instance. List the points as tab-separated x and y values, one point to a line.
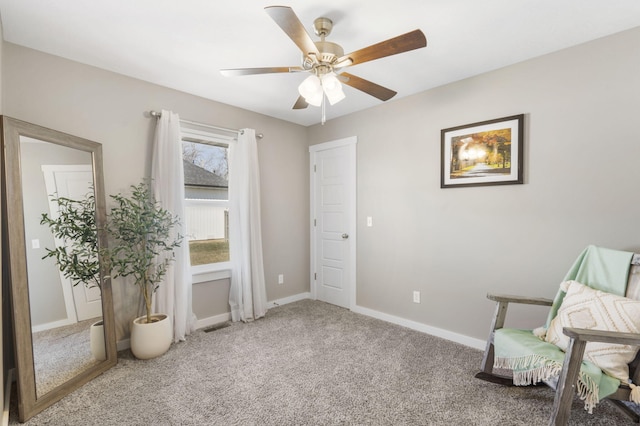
311	90
332	88
335	96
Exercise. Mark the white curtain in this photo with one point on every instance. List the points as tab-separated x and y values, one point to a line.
248	294
174	296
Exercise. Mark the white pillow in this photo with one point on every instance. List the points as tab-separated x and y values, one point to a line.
584	307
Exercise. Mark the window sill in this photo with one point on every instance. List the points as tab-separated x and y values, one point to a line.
211	272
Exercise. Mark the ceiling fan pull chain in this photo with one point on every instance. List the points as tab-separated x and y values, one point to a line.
324	117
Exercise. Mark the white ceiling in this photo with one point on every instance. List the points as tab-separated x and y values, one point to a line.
183	44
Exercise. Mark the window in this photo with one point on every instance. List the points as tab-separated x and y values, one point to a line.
206	178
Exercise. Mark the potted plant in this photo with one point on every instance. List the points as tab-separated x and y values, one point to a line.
77	258
142	246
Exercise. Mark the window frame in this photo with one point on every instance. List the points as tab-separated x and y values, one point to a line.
200	134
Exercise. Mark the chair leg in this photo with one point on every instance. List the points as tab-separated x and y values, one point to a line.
488	357
487	373
567	383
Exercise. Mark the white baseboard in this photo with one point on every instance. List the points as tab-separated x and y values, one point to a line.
214	320
290	299
414	325
217	319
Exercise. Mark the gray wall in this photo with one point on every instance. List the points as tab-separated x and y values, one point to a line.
455	245
110	109
212	298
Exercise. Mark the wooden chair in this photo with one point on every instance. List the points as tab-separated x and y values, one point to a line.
566	383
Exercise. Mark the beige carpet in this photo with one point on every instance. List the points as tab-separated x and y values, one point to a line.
309	363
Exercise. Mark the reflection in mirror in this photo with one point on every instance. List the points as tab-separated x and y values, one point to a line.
56	298
63	307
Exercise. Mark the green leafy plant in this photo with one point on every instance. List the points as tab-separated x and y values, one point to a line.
75	224
142	243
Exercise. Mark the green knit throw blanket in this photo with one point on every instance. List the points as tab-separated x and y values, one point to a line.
533	360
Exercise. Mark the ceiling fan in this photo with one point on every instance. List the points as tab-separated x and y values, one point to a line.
326	61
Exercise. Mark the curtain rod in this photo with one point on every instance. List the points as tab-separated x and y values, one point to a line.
157	114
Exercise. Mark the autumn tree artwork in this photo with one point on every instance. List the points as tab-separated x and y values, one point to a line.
485	153
481	154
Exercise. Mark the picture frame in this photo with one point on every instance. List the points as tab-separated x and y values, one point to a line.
484	153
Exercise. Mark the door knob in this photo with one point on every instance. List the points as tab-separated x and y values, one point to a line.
345	236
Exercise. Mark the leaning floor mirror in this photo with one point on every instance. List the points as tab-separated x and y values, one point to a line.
62	307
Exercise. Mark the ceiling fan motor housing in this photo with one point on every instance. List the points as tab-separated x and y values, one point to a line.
329	52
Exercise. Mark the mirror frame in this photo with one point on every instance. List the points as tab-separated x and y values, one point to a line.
29	403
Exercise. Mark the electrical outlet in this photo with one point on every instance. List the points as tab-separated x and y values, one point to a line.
281	279
416	297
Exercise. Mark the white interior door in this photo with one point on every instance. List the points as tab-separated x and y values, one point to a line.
333	205
73	181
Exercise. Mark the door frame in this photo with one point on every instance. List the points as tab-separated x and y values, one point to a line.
349	142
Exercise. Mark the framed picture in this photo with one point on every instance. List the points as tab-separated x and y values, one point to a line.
485	153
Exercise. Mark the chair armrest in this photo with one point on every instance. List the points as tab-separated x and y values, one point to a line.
498	322
520	299
587	335
502	305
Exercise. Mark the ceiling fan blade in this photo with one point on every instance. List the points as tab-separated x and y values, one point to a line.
291	25
403	43
300	103
265	70
367	86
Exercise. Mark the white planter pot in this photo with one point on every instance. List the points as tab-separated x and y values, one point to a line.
151	340
96	335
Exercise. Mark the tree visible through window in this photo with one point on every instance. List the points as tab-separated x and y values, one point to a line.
206	174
